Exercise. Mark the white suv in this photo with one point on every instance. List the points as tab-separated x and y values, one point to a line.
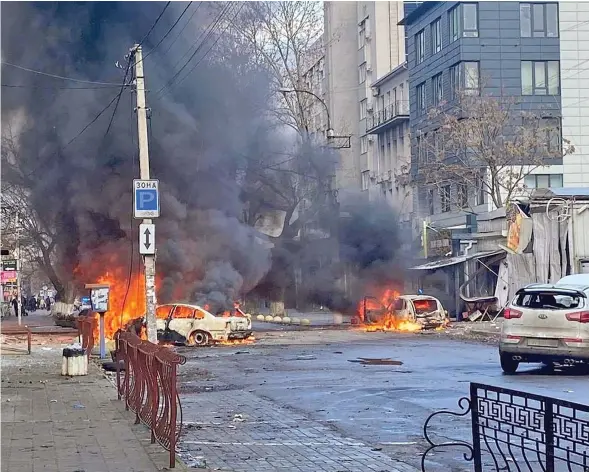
546	323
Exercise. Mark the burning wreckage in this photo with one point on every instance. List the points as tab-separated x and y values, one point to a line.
395	312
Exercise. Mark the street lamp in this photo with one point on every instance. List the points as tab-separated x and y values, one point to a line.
329	132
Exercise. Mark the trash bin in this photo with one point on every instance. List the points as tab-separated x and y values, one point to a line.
74	361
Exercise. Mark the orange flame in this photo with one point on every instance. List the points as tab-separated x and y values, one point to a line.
385	320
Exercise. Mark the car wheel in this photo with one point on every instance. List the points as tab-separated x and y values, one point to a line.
508	365
199	338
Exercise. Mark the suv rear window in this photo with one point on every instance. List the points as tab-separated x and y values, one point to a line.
548	300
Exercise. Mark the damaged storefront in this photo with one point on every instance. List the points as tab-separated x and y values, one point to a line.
548	237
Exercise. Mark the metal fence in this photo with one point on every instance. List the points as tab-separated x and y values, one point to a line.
520	432
149	388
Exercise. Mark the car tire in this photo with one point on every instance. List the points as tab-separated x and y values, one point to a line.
508	365
199	338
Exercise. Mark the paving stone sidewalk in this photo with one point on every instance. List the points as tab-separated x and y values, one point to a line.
59	424
235	430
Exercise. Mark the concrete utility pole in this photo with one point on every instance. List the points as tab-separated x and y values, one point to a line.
149	260
18	292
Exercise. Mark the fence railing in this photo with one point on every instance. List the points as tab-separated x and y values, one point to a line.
520	432
86	327
149	387
399	108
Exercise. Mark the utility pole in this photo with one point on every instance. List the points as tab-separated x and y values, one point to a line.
149	260
18	293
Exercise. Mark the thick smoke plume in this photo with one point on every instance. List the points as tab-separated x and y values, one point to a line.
199	129
206	130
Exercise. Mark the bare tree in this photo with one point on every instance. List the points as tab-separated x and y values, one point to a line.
488	144
284	38
37	234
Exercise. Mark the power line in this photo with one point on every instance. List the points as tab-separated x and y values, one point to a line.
169	31
119	95
210	48
155	23
207	33
57	87
55	76
183	28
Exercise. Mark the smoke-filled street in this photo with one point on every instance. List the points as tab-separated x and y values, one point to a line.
299	401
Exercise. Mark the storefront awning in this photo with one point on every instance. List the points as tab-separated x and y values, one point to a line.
449	261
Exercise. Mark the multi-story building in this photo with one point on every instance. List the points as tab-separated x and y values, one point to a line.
531	51
387	126
372	29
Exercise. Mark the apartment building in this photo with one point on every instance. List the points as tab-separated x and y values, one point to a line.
372	29
533	51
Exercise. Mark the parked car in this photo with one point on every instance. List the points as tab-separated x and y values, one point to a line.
193	325
548	324
575	279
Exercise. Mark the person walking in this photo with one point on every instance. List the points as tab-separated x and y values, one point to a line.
14	303
48	304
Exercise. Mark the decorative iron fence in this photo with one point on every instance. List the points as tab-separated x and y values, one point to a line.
399	108
516	431
149	388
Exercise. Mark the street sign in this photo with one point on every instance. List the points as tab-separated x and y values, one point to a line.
146	198
9	264
146	239
8	276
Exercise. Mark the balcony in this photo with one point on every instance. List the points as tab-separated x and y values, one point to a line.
392	114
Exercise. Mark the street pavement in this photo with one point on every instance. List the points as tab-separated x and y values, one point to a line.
294	401
67	424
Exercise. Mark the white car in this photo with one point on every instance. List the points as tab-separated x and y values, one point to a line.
548	324
195	326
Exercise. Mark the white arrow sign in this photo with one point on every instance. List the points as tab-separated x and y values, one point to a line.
146	239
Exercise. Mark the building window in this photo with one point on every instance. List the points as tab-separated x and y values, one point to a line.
481	194
421	97
420	46
543	181
471	78
462	195
538	20
436	34
363	106
420	149
429	197
454	80
470	20
361	34
445	198
540	77
365	179
454	23
437	89
363	144
362	73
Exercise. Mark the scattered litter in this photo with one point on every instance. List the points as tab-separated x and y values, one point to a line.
376	449
569	391
79	406
47	348
337	352
368	361
53	401
8	400
197	463
238	418
305	358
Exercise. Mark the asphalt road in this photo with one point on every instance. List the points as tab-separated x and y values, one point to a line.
385	406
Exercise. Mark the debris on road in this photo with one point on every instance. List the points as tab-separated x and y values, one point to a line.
368	361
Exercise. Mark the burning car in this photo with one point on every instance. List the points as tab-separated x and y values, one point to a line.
195	326
404	312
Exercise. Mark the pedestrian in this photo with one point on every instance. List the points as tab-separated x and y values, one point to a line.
23	305
48	304
14	303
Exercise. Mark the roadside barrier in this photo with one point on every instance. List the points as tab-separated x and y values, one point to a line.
149	387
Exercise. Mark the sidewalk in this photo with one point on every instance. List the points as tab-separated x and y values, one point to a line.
68	424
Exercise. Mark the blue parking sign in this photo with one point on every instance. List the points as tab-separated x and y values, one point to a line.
146	200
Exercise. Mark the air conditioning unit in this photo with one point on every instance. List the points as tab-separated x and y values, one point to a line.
375	91
369	106
370	138
373	175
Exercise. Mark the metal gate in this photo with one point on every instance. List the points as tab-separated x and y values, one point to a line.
516	431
